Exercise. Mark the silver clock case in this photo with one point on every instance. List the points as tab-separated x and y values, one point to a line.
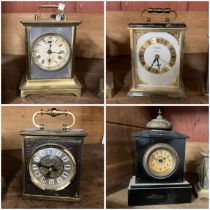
145	83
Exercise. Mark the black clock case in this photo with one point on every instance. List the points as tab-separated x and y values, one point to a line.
148	138
72	140
146	190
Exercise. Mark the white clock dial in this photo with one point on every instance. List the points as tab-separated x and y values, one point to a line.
51	52
157	59
52	168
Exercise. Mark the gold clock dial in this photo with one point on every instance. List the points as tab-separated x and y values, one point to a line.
52	167
157	55
160	161
50	52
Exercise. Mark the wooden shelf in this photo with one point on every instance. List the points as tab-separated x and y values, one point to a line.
91	185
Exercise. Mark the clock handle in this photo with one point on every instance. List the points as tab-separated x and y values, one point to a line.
59	14
159	10
53	112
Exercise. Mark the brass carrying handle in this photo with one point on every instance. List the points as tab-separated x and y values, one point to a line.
60	7
53	113
159	10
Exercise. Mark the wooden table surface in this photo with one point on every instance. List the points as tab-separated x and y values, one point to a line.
193	75
88	71
91	185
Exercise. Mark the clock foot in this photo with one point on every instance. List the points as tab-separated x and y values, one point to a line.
158	193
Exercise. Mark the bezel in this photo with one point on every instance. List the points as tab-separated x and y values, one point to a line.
162	175
59	66
56	187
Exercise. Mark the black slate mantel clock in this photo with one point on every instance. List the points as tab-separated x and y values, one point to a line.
160	158
50	52
52	160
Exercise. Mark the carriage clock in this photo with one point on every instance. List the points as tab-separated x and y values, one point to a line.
157	51
50	48
52	159
160	157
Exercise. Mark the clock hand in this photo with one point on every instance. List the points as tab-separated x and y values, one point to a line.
158	63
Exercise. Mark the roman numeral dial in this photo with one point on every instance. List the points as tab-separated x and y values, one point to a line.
52	168
50	52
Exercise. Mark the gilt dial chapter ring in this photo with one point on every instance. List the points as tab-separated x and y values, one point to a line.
157	59
159	64
52	167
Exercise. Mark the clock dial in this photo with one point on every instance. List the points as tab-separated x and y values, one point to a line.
160	161
51	52
157	55
52	168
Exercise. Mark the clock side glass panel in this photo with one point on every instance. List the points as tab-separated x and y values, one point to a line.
160	161
52	167
50	52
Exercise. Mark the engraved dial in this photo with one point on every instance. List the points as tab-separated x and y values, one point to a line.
160	161
157	55
52	167
51	52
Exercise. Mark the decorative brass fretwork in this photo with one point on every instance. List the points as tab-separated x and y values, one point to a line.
175	82
176	35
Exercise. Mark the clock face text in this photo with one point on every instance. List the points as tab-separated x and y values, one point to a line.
50	52
52	168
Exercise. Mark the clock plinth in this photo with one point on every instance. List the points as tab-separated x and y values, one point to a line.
50	86
170	92
157	193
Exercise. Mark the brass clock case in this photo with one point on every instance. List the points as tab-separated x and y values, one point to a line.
62	185
174	161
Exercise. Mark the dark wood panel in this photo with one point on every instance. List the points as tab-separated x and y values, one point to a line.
90	7
139	6
133	116
198	6
17	118
192	121
31	7
113	6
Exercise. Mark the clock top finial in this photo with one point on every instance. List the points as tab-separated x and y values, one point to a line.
159	123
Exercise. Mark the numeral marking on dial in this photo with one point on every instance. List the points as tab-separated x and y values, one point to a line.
67	167
51	181
43	180
65	174
37	174
60	57
36	159
65	159
59	179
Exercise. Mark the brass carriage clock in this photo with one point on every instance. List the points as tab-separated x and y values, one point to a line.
50	48
52	160
157	51
160	157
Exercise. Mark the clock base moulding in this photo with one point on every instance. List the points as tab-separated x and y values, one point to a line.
157	91
50	86
158	193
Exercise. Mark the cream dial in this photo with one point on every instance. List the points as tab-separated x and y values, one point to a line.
160	161
52	168
51	52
